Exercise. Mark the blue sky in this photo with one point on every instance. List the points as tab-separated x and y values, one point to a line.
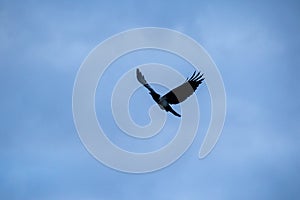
255	45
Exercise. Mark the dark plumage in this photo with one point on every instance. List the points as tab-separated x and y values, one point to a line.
175	96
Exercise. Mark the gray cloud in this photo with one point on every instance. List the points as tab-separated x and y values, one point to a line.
254	44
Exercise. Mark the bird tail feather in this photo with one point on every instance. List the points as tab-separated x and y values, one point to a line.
170	109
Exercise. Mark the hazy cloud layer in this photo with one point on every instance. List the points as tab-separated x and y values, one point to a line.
254	44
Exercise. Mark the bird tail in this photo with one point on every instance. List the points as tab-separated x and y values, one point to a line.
170	109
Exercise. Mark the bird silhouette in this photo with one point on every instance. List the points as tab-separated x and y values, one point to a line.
175	96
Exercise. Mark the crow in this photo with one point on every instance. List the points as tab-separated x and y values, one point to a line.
175	96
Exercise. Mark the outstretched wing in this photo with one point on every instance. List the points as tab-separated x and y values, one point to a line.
143	81
185	90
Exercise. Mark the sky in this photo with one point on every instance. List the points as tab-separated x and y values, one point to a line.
255	45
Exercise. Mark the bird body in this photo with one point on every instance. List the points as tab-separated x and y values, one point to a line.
162	103
176	95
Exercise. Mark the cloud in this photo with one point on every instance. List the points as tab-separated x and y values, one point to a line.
253	44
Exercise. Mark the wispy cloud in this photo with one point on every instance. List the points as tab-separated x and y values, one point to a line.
255	46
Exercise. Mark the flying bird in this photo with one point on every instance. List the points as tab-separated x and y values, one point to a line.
175	96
